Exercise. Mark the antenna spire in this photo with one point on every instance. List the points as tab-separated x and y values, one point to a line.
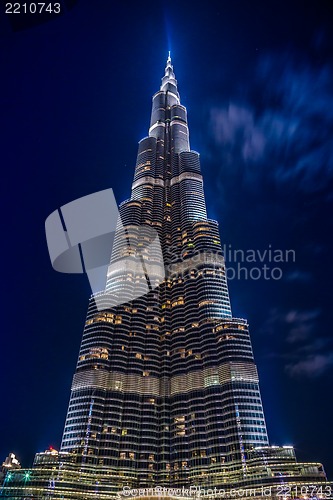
169	81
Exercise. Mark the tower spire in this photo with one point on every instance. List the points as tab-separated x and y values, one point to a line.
169	81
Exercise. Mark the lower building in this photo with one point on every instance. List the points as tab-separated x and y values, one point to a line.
272	472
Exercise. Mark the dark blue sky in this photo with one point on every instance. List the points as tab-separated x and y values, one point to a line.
257	80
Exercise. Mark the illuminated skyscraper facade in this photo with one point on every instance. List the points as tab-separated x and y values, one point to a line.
166	389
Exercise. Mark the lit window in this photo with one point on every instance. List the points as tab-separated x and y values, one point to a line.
206	302
98	352
211	380
118	385
180	430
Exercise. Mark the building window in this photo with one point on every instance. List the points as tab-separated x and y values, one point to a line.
98	353
206	302
180	430
211	380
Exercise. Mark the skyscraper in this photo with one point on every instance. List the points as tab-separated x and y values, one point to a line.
166	390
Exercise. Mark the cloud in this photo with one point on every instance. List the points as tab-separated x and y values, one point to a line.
317	345
235	127
283	129
298	276
311	366
295	325
302	351
272	321
301	324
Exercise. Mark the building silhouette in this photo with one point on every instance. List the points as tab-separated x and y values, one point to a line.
166	391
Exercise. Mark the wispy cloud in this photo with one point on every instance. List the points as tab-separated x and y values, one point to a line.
296	325
303	352
311	366
298	276
320	344
282	130
235	127
271	323
301	323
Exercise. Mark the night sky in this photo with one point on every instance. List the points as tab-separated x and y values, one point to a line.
257	81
